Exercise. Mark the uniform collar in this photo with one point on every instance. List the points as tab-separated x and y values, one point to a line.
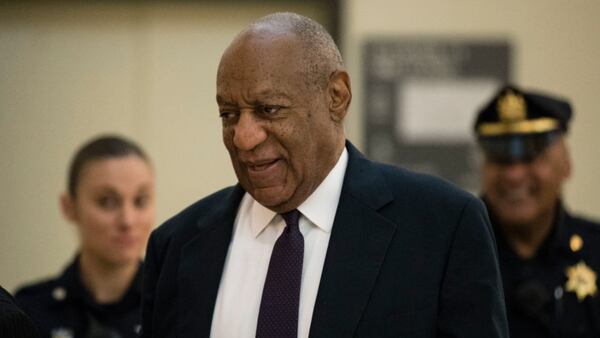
556	242
562	232
70	288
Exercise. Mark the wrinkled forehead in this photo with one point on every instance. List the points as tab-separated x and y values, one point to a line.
260	62
251	51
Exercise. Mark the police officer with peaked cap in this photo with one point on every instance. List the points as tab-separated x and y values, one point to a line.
549	258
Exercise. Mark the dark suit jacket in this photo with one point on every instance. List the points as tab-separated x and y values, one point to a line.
409	256
13	321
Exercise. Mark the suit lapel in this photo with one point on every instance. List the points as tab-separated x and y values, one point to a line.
357	248
201	266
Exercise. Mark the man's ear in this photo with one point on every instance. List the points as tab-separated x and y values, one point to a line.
340	94
67	206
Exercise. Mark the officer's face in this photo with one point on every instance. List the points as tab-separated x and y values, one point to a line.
113	209
525	193
280	132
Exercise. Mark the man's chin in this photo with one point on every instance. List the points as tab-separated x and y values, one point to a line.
517	216
270	197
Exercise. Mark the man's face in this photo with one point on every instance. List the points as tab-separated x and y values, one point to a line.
523	193
277	127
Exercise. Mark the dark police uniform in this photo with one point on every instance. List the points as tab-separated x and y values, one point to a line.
554	293
63	308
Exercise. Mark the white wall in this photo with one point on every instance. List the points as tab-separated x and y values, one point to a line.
557	49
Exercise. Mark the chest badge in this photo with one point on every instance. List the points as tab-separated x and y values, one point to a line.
582	281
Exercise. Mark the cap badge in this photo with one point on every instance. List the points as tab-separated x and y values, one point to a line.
582	281
511	107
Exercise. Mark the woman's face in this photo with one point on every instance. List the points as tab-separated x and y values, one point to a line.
113	209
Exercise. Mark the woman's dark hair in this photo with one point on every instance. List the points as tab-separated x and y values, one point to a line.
100	148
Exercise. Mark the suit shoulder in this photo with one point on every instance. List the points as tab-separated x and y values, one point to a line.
404	182
187	218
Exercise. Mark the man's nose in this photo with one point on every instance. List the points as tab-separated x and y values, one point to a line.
248	132
515	170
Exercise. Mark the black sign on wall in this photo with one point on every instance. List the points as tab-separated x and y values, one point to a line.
421	96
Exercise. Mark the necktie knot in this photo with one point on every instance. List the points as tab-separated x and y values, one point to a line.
291	218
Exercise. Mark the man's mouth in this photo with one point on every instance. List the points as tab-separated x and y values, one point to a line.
516	194
260	166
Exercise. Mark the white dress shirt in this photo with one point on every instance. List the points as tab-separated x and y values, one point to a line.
255	231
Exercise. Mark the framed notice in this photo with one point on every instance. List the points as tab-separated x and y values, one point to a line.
421	97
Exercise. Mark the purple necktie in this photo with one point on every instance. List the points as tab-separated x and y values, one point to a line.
278	316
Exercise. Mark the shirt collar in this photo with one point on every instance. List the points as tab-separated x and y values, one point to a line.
320	207
260	216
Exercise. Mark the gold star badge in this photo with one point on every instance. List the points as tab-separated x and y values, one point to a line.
582	281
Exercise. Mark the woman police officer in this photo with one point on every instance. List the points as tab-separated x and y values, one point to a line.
110	199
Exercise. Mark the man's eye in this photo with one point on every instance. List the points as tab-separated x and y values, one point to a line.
227	116
268	110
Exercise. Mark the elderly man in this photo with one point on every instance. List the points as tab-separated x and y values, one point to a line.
548	258
316	240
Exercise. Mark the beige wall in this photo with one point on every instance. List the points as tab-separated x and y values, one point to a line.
68	73
557	48
148	71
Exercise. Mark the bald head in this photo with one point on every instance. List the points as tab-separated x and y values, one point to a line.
320	55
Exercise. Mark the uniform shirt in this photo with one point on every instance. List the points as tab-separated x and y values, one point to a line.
63	308
541	292
255	231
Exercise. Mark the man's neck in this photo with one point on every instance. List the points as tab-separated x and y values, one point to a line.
526	239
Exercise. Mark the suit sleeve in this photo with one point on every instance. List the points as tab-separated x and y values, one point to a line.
150	277
472	299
